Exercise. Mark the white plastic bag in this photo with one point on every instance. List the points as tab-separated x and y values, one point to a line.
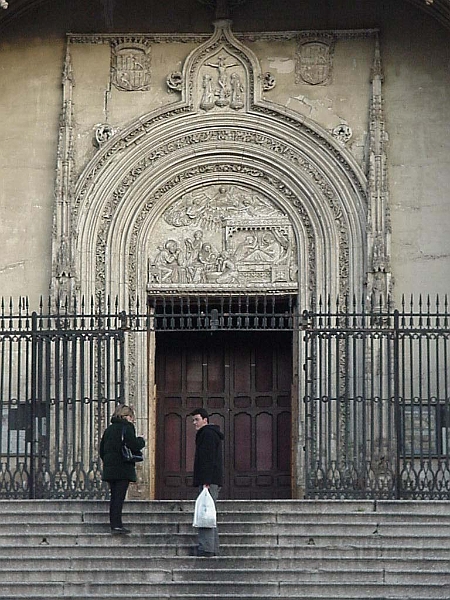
205	510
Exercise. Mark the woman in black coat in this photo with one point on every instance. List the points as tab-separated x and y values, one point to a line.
116	471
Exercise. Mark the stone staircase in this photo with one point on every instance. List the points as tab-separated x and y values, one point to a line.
310	550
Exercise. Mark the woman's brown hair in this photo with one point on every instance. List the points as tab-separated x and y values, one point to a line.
122	411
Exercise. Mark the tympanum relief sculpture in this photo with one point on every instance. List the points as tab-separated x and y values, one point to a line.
223	236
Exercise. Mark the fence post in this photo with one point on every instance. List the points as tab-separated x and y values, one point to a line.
397	412
33	399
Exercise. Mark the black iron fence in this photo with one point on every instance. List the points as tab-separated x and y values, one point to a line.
377	412
375	389
61	375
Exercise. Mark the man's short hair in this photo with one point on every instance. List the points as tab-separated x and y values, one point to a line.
200	411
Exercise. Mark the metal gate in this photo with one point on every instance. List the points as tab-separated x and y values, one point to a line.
377	413
376	391
61	377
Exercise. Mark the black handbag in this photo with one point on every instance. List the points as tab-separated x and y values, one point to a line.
127	454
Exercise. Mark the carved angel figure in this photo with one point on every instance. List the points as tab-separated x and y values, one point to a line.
167	263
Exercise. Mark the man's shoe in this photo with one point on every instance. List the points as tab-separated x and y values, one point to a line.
120	530
195	551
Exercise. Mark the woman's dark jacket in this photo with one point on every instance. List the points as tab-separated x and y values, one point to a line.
208	456
114	467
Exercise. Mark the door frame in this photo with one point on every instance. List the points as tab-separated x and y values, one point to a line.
296	419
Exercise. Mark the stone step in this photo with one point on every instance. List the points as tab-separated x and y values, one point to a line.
222	589
56	562
215	573
431	508
150	512
210	596
307	550
136	549
342	529
45	535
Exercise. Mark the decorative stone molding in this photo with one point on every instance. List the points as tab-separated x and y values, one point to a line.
148	163
63	271
379	277
201	38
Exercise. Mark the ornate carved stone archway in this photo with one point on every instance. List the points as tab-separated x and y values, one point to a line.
220	191
221	134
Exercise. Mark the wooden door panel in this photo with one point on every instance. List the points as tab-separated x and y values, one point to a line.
242	372
244	381
264	442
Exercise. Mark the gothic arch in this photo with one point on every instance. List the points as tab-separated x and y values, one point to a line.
299	168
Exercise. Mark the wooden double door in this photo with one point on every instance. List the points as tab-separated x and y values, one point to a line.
244	380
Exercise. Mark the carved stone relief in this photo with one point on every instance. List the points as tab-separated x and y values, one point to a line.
269	81
315	61
103	132
130	67
223	235
343	133
175	81
222	83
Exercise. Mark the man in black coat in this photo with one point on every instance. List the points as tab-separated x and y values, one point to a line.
208	472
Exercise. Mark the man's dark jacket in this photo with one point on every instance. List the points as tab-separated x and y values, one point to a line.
208	466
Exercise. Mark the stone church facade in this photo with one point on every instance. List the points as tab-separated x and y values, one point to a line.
219	155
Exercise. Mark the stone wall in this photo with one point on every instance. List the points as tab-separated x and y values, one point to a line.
415	58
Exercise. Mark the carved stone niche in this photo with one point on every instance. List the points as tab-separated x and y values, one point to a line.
223	237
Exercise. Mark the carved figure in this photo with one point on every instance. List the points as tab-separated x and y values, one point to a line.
237	90
229	272
193	249
245	248
222	91
167	263
208	257
207	101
